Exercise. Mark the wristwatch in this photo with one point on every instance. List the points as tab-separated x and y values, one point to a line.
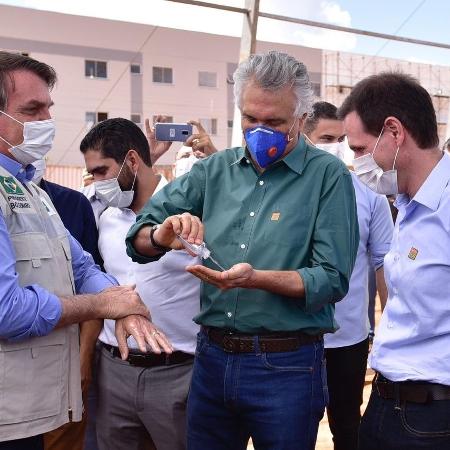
153	242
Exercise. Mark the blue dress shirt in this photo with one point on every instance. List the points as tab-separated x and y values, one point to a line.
31	310
413	338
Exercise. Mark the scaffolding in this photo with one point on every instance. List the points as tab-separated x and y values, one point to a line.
342	70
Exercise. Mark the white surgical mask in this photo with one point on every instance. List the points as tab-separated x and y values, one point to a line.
37	140
110	194
373	176
335	148
40	166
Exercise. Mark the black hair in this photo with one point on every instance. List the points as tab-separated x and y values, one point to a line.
394	94
320	110
114	138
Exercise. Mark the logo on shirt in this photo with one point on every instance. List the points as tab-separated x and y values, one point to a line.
413	253
275	216
10	186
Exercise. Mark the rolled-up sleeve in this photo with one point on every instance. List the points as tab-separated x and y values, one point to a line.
24	311
335	241
184	194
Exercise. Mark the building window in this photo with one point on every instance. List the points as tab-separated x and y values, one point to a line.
210	125
136	118
135	69
230	123
162	75
95	69
92	118
208	79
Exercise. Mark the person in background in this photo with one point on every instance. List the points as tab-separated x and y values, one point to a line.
117	155
346	350
390	123
197	146
157	149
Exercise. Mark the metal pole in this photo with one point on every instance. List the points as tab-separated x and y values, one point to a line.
248	46
328	26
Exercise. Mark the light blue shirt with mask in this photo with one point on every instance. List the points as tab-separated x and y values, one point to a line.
375	234
32	310
413	339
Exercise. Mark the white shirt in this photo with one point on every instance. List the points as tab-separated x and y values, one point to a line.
171	293
413	338
97	206
375	234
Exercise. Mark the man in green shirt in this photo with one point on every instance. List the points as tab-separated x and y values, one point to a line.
281	215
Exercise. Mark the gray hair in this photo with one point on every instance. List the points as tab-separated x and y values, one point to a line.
273	71
10	62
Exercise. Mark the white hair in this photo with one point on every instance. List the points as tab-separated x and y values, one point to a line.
273	71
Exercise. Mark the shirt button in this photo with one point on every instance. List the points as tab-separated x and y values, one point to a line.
261	182
229	314
390	325
247	161
396	258
252	214
242	246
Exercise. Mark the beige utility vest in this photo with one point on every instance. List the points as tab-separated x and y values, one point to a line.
40	383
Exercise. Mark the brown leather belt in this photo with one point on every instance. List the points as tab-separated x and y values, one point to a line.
232	342
410	391
151	359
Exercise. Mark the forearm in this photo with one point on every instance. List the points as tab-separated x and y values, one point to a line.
381	287
142	244
286	283
80	308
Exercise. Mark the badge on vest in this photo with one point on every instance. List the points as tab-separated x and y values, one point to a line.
10	186
17	199
50	210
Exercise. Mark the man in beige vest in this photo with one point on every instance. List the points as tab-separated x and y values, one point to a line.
42	267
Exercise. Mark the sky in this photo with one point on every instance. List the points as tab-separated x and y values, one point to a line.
419	19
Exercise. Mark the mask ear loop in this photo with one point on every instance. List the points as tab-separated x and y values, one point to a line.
11	117
121	167
134	181
378	140
307	137
395	159
15	120
289	139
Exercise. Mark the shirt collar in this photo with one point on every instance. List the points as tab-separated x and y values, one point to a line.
295	159
431	191
16	169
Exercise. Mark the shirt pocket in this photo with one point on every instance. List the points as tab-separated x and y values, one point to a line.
31	379
288	226
31	249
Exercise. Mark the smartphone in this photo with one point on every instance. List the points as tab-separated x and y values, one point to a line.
172	131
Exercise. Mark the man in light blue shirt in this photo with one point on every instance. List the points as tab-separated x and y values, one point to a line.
346	350
391	126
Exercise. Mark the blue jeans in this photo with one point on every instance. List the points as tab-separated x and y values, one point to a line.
277	399
391	425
